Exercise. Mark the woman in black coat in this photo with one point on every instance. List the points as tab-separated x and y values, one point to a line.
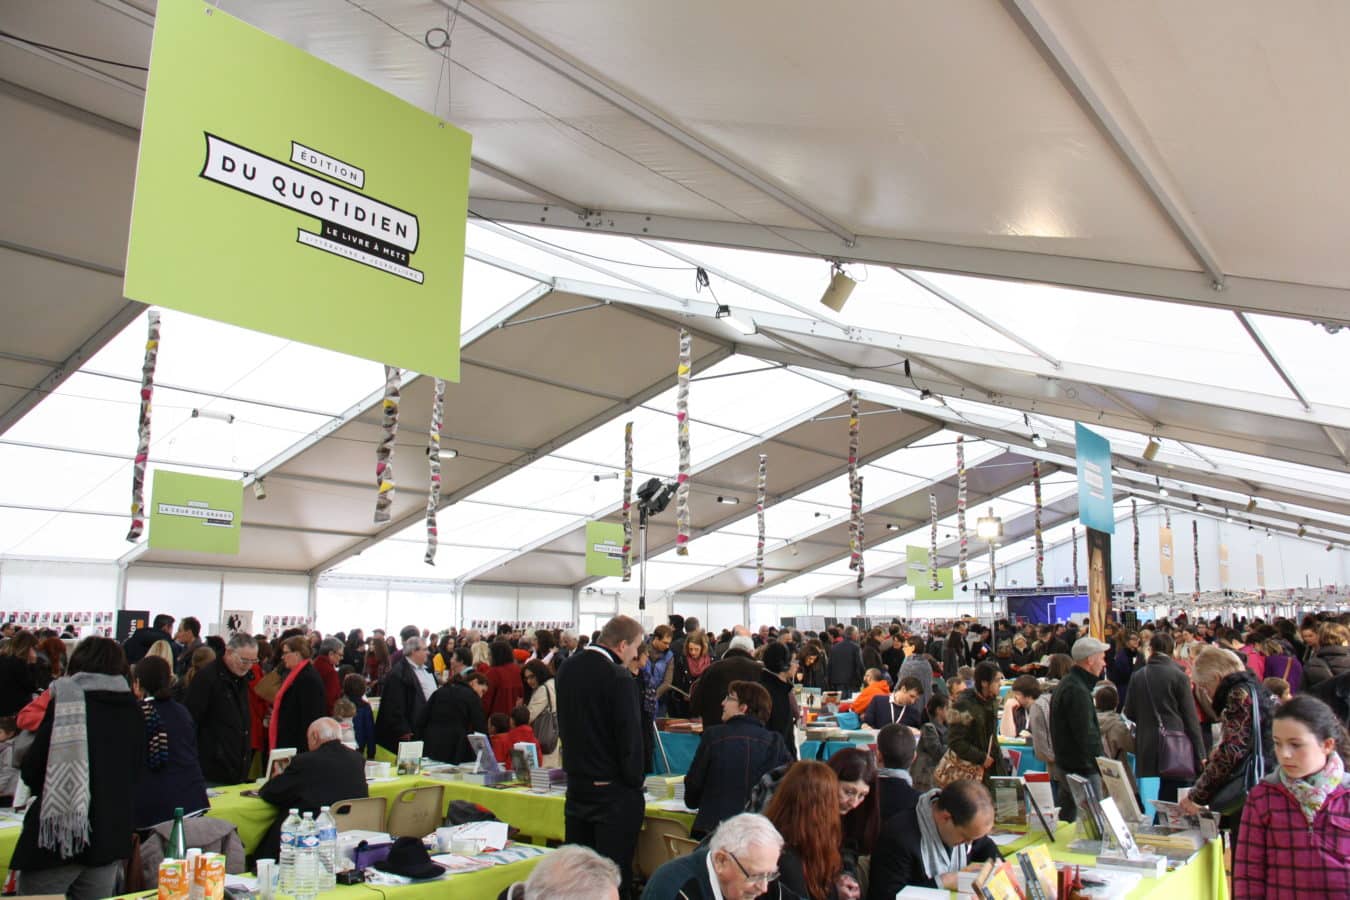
454	712
18	681
1332	657
301	699
111	724
172	775
1161	689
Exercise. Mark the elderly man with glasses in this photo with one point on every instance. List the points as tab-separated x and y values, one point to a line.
739	863
218	701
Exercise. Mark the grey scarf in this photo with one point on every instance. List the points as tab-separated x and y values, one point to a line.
938	858
64	818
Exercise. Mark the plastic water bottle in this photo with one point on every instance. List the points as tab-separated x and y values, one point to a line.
286	853
327	826
306	859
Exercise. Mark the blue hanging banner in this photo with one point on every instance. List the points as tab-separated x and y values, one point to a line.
1096	501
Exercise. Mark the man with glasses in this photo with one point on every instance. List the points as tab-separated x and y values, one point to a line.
929	843
218	701
739	863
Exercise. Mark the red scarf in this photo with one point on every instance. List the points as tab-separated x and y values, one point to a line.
276	705
698	664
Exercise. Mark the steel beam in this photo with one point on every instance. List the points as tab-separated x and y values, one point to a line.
943	294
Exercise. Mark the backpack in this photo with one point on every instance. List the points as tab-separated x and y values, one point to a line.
546	724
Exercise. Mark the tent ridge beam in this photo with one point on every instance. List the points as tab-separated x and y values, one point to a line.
531	47
1269	353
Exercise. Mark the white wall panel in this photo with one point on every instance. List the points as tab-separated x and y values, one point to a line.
56	586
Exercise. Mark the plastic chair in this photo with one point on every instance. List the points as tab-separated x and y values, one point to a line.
416	812
363	814
652	849
678	846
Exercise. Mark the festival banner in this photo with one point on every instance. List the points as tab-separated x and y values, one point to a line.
604	548
195	512
1166	564
918	576
1096	503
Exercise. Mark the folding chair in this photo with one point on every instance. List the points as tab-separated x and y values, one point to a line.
363	814
416	812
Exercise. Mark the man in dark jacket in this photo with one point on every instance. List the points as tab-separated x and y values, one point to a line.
1074	732
329	772
453	713
599	724
218	701
710	690
960	816
187	640
1162	690
742	858
139	644
896	745
402	699
846	663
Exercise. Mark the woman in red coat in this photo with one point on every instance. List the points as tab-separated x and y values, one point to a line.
505	690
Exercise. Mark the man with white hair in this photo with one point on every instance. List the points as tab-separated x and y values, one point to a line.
328	773
571	872
737	664
738	863
405	693
567	645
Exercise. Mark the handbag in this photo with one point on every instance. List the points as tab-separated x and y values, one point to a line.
546	725
1176	757
1229	796
953	768
268	686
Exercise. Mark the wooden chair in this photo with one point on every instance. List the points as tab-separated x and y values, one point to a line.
363	814
416	812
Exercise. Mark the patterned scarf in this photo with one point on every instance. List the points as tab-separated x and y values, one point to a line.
156	739
1312	792
63	822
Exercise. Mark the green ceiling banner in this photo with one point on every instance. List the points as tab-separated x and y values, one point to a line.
194	512
279	193
604	548
916	575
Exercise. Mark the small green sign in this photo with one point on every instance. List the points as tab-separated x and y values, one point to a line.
916	574
604	548
194	512
279	193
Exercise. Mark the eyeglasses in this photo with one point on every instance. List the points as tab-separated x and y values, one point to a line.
758	877
250	660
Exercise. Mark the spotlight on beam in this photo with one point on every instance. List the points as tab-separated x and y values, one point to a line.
840	288
1151	448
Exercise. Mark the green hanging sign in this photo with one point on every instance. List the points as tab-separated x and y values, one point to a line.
194	512
604	548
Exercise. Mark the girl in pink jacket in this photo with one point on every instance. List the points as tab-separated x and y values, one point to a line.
1295	835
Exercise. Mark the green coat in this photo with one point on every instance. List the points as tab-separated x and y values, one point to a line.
971	722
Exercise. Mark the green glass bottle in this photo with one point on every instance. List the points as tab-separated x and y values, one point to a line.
177	846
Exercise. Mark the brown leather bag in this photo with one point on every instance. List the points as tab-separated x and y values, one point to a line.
268	686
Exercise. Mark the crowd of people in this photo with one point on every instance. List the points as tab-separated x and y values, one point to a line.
173	713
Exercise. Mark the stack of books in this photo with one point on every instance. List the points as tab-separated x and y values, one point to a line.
545	781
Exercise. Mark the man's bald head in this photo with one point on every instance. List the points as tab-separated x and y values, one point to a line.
323	730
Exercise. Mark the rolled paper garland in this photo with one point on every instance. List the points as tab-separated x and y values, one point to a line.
859	532
434	464
855	495
1040	535
1134	519
143	428
1195	543
1074	536
682	371
933	581
961	503
761	487
628	501
384	453
854	510
1167	521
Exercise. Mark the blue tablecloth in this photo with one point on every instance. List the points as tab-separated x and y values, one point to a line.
680	749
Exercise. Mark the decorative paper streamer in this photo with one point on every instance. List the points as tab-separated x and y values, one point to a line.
434	464
1134	519
384	453
1167	521
1195	543
1040	535
143	429
1074	535
961	502
933	580
760	489
628	501
859	530
682	418
855	493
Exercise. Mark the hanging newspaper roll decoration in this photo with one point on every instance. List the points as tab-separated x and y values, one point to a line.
628	501
682	420
855	493
761	486
434	463
1167	522
143	428
858	482
1195	543
933	580
1073	534
961	503
1040	535
384	453
1134	520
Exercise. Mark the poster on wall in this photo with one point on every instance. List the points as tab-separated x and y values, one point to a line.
1260	571
195	512
290	197
1223	567
1099	582
128	621
238	621
917	576
1166	564
604	548
1096	502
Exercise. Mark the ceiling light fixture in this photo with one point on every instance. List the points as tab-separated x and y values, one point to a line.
1251	504
1302	531
729	501
259	489
605	477
930	398
451	453
891	526
724	312
989	527
1162	491
1151	448
840	287
227	418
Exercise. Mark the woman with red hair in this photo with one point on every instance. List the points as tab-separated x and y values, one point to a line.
805	810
